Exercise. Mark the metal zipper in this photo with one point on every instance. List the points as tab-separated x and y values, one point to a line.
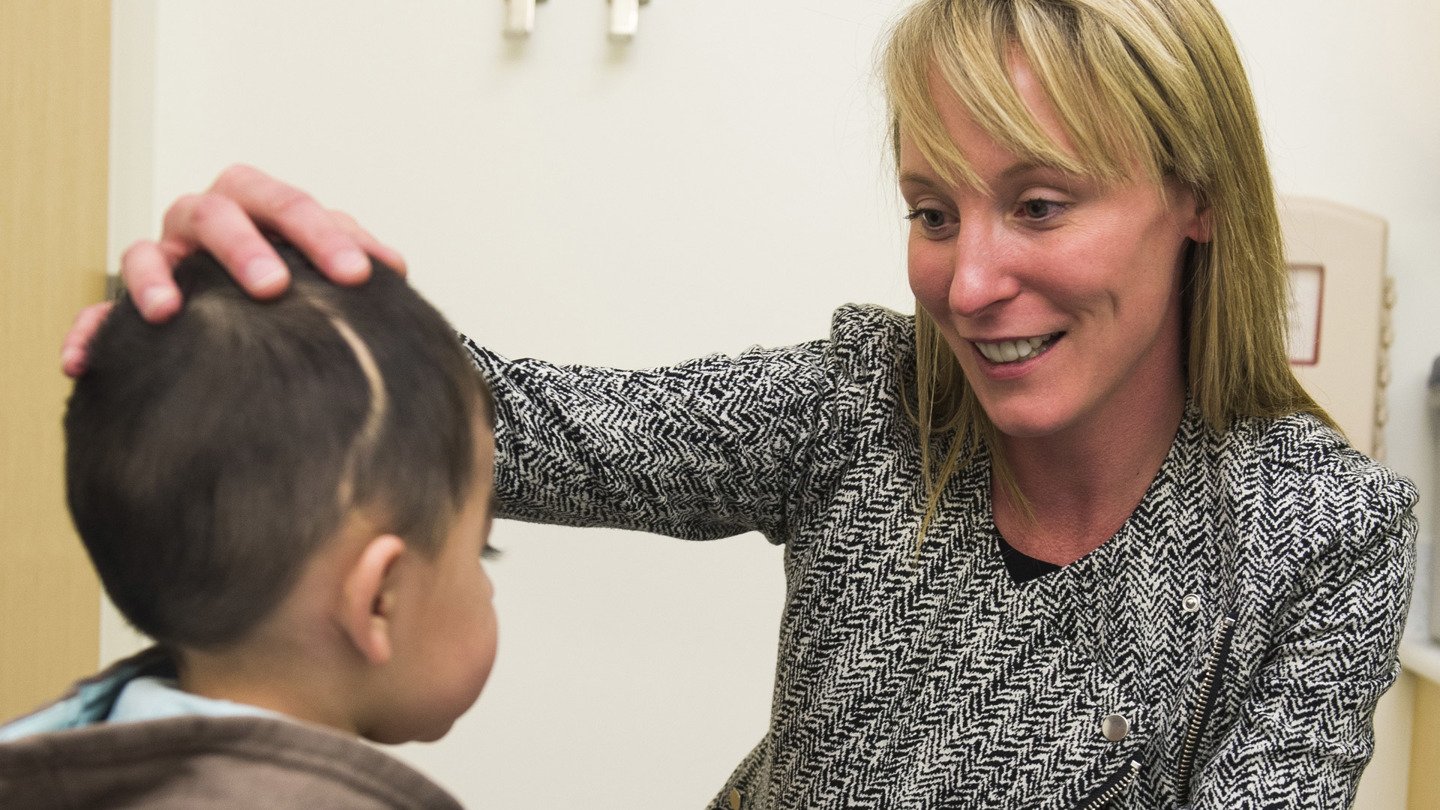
1118	783
1204	700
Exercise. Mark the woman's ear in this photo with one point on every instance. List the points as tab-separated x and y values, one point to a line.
367	600
1201	224
1192	212
1201	228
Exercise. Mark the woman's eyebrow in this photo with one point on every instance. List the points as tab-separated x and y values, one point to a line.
917	178
1008	174
1021	168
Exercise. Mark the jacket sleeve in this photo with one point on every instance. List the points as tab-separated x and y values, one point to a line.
708	448
1304	733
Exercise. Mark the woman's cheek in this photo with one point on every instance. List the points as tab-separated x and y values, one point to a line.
929	275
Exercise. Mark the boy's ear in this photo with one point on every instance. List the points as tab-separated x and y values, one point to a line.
368	598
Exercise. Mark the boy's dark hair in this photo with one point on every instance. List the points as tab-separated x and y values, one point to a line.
209	457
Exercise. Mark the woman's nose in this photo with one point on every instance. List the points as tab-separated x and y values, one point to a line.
983	273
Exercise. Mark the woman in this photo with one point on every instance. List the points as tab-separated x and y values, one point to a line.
1072	536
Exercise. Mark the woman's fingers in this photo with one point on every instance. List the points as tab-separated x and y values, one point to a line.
208	221
146	271
217	223
386	254
326	240
74	352
227	220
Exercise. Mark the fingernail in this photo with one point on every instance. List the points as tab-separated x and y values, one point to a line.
351	262
155	299
265	273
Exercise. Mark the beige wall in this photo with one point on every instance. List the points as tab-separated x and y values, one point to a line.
54	64
1425	751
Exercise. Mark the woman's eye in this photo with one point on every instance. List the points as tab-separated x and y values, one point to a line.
929	218
1039	209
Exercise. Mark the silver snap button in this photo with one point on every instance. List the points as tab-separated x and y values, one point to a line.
1190	603
1115	727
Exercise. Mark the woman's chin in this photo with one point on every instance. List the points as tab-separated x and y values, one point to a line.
1017	422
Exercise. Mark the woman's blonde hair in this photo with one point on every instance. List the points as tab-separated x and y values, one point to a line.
1153	83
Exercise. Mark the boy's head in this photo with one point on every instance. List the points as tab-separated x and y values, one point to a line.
215	462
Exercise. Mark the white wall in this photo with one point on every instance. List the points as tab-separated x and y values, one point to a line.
718	183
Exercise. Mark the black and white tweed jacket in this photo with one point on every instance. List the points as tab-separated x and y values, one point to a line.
1243	622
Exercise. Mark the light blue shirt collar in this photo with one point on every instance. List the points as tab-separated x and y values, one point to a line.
153	698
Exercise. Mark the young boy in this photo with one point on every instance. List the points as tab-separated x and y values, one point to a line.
291	498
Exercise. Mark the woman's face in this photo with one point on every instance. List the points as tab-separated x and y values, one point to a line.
1060	296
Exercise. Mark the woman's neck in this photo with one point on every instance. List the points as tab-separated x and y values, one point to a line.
1082	485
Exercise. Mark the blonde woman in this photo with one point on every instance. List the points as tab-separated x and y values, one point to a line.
1072	535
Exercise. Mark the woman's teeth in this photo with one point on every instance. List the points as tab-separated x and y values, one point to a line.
1010	351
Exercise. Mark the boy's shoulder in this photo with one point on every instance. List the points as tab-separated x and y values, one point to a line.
65	756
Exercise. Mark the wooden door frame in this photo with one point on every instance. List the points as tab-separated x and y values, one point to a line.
54	122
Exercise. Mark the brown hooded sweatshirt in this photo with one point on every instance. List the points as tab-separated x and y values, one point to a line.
70	758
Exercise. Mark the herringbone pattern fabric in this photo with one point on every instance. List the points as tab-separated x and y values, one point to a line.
935	681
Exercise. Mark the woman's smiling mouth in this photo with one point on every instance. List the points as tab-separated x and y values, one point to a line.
1014	351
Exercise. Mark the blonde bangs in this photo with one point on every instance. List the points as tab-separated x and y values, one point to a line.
1102	72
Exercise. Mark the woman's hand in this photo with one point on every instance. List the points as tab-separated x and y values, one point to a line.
226	219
